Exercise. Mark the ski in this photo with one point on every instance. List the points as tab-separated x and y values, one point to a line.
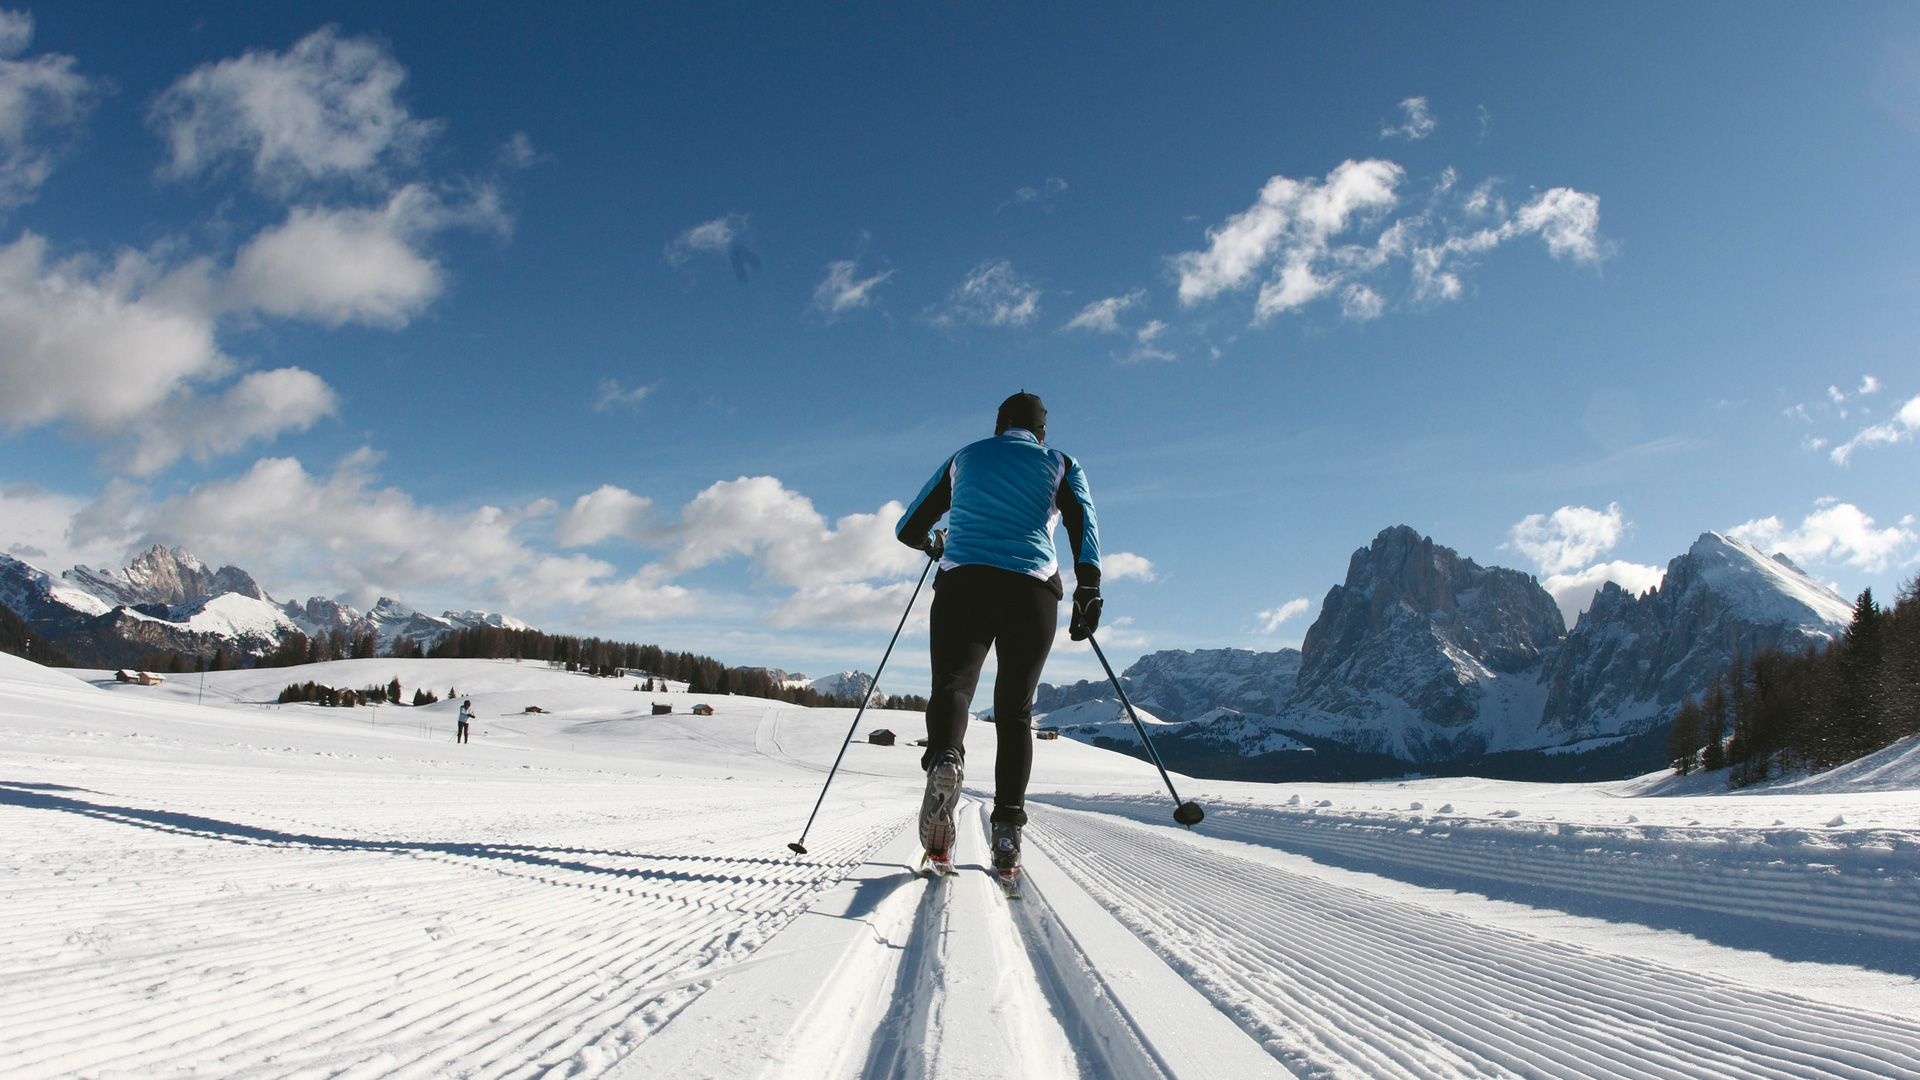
938	866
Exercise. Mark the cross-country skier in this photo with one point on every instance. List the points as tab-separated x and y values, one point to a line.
999	587
466	714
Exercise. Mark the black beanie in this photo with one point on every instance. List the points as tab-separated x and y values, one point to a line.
1022	410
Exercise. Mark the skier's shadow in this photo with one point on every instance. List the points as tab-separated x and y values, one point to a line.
35	797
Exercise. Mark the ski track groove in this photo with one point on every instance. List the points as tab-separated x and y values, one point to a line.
1672	866
1309	968
414	958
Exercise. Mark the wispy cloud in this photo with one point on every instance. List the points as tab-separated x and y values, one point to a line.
1337	238
1835	532
993	294
723	236
1103	316
1040	195
43	100
1417	122
1272	619
844	290
1899	429
611	395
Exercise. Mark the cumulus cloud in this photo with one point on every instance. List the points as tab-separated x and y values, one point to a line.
1568	538
1418	123
98	345
1835	532
339	266
844	290
261	406
606	513
1574	591
993	294
328	109
1272	619
1125	565
43	100
849	604
1899	429
40	526
1103	316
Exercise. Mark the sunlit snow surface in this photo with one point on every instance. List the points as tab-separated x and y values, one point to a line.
193	882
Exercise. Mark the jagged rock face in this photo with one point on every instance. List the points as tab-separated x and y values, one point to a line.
1631	661
319	617
162	576
1406	654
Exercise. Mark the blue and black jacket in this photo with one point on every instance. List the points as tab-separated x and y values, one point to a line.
1002	497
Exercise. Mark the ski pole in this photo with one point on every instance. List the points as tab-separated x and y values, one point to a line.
1186	813
799	847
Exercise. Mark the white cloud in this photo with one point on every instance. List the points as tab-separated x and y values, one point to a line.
604	513
1152	330
93	344
610	395
43	99
1834	532
1897	430
1040	195
339	266
1125	565
992	295
1568	220
327	109
1292	218
39	525
714	237
851	604
261	406
1419	122
1868	385
1574	591
1361	304
518	152
843	289
1569	538
1103	316
1273	619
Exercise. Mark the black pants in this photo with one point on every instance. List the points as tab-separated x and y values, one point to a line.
974	608
461	735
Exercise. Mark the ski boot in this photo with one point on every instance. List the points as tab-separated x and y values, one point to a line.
1006	857
936	812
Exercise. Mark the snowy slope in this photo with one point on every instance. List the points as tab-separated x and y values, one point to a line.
200	883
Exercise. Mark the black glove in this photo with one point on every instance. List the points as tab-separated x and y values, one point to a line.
936	544
1086	613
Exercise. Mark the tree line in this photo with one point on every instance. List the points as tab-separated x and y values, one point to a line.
1775	713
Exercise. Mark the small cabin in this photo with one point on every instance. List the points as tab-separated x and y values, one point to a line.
661	708
143	678
881	737
703	709
1047	733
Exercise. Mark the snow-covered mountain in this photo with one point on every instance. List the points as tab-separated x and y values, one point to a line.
1425	658
166	600
1423	654
1630	661
845	685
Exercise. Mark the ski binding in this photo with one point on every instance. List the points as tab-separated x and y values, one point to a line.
938	864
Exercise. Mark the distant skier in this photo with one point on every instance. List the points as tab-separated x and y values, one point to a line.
466	715
998	586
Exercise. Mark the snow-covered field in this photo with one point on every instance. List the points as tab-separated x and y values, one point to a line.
196	882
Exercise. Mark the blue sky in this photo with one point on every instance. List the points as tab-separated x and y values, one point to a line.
638	322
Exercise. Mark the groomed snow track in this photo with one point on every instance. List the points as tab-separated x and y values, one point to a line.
1143	951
